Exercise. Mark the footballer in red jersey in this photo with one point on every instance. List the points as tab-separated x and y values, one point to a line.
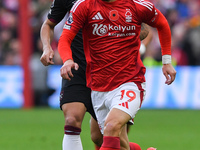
74	94
115	72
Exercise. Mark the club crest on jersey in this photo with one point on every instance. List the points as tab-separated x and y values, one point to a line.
113	15
128	15
70	19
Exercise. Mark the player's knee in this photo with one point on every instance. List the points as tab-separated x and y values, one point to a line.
72	121
112	128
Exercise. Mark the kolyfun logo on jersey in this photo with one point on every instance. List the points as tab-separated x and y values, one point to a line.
106	29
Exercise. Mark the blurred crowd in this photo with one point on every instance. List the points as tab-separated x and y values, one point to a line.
184	20
10	51
183	17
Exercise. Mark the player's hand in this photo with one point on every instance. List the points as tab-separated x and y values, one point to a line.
169	73
47	56
66	69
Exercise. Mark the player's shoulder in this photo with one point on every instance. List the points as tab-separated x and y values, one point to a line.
81	3
60	4
143	5
141	1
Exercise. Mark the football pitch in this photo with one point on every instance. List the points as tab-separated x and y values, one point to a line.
42	129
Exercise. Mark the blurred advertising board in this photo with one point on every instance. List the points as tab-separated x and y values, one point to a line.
184	93
11	87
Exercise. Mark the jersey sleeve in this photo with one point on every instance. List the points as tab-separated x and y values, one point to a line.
77	16
146	11
164	33
74	23
58	10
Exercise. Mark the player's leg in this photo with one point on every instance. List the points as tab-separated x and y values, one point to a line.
72	102
124	138
96	134
97	137
122	109
73	114
115	124
124	142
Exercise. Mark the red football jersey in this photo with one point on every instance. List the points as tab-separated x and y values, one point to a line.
111	39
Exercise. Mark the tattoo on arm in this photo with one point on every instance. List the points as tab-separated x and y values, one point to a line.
144	31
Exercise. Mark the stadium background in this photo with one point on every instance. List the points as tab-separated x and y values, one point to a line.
29	91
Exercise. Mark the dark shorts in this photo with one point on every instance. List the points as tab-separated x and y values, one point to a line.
76	91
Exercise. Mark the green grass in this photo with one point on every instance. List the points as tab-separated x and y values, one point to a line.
42	129
167	129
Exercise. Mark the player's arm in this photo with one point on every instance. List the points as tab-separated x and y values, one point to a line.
46	36
144	31
64	49
56	14
147	13
145	37
164	33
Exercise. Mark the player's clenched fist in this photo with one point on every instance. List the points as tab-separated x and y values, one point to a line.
47	56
